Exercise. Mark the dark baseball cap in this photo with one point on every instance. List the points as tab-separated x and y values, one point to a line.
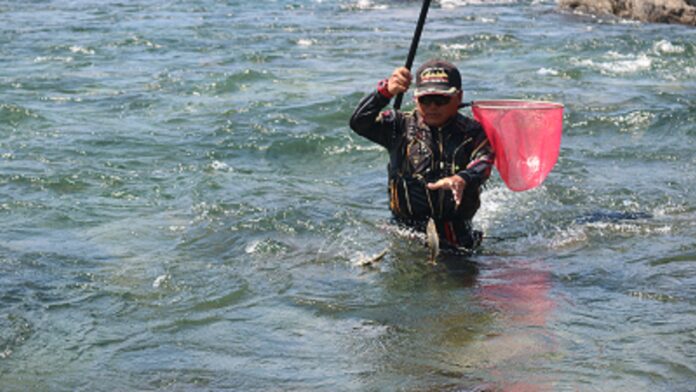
437	77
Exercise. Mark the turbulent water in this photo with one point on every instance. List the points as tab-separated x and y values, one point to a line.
184	207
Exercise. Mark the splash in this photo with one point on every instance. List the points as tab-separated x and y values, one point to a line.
305	42
81	50
159	281
547	72
667	47
449	4
365	5
218	166
618	63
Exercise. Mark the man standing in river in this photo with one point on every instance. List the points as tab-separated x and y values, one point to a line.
438	158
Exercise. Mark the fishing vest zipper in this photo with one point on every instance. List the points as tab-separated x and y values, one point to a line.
441	159
455	168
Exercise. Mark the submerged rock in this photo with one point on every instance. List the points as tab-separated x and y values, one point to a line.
658	11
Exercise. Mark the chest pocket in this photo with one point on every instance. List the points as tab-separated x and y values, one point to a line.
419	157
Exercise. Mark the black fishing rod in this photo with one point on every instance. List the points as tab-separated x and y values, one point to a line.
414	46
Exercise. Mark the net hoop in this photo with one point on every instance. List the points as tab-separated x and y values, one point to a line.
517	104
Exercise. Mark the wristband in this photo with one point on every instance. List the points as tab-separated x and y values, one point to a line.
383	88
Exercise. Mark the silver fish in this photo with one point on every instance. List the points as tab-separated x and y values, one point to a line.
433	240
370	260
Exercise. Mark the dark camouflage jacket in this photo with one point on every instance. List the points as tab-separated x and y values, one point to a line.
419	154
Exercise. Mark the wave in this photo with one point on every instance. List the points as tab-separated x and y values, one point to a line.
464	3
15	114
616	63
136	40
81	50
15	330
664	46
364	5
240	80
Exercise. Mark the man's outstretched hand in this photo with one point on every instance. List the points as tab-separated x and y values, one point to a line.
454	183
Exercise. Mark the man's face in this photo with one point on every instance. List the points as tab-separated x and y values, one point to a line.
436	110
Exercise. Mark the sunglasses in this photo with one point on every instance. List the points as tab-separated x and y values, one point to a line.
439	100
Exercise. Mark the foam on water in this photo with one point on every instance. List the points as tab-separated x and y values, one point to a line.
366	5
220	166
47	59
450	4
160	280
547	72
306	42
667	47
617	63
81	50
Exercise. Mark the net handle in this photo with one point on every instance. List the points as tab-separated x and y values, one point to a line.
414	46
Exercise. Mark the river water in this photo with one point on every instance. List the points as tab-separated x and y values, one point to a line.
184	207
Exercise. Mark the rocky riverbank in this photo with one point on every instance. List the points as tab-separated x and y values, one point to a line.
658	11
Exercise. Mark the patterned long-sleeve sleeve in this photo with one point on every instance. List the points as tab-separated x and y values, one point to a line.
369	121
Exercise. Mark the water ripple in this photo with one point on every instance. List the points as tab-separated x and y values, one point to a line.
183	202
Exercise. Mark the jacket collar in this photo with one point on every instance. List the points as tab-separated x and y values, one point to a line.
445	126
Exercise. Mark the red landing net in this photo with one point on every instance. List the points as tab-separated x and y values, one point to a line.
526	138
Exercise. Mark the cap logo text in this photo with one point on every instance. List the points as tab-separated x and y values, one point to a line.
434	75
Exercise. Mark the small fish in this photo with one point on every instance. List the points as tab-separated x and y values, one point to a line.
433	240
368	261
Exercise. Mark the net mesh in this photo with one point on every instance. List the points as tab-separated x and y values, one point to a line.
526	138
